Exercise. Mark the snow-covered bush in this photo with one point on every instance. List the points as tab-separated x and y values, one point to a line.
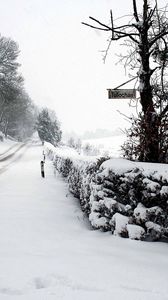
127	195
126	198
63	165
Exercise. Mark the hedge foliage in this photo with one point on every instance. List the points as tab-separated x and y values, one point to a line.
132	203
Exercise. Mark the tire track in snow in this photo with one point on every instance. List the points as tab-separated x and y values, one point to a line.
14	156
11	154
9	149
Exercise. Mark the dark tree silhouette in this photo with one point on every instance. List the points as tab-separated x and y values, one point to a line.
147	36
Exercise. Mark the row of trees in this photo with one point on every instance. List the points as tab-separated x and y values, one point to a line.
19	117
146	38
86	149
17	112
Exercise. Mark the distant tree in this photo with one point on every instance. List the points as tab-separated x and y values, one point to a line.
10	89
75	143
87	148
71	142
14	102
20	117
17	111
91	150
10	80
48	127
78	145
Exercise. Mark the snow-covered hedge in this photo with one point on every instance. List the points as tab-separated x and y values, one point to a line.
129	199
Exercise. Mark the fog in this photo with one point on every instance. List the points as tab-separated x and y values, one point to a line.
62	60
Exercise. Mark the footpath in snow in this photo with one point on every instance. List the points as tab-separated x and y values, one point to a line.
48	251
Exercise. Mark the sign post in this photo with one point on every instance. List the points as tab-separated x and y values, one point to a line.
121	93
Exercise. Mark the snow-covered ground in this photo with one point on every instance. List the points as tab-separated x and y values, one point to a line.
107	145
48	251
6	145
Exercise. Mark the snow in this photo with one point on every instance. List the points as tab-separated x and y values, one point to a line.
120	223
151	225
140	212
64	151
151	185
164	190
96	220
118	165
71	153
48	250
103	182
5	146
135	231
108	145
109	202
127	165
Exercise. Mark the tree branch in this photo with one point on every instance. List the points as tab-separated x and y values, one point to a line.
120	34
112	24
123	34
151	13
94	27
157	37
125	26
103	25
106	51
135	11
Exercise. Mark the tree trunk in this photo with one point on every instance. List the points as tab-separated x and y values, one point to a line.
151	143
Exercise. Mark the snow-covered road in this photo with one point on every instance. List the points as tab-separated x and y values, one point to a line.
12	154
48	251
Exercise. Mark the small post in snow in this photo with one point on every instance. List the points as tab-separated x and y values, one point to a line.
42	169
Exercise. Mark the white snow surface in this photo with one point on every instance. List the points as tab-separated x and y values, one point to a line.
108	145
120	166
49	252
6	145
68	152
135	231
121	223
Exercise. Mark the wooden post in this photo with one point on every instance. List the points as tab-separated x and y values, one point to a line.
42	169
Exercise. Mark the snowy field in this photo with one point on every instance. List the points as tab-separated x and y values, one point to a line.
48	251
107	145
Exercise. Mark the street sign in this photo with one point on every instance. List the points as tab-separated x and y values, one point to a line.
121	93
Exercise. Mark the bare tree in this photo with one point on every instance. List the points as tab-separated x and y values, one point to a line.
146	35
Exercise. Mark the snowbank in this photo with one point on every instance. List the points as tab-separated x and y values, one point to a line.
127	198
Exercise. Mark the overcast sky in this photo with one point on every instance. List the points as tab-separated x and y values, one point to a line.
62	59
